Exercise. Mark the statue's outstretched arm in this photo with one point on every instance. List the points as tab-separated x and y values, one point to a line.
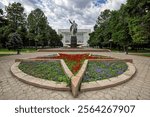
70	21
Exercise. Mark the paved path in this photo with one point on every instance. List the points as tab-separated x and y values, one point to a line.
137	88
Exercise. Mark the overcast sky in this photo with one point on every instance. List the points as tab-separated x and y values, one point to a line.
84	12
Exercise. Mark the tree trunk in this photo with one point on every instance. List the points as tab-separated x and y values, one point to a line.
126	49
36	45
29	44
18	51
110	45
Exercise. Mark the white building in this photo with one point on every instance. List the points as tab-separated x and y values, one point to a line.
82	36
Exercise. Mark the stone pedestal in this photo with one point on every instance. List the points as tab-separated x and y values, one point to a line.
73	41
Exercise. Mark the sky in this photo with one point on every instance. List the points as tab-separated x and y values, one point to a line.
58	12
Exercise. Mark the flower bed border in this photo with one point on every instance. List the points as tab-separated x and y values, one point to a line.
76	80
38	82
111	82
74	50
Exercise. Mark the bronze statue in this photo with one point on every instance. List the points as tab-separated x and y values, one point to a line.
73	28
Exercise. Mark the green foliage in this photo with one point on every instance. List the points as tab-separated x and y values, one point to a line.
34	29
15	42
40	31
119	27
1	17
102	34
16	15
126	27
139	20
3	23
93	41
45	70
55	39
37	21
37	25
14	21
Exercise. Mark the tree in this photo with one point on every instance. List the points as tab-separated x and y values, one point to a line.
55	39
15	42
139	20
119	28
23	33
103	17
128	26
40	31
93	41
16	15
3	25
2	19
16	21
37	25
101	34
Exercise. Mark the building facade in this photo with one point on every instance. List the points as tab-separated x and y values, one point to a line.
82	36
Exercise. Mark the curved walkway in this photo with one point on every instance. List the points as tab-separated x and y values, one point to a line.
136	88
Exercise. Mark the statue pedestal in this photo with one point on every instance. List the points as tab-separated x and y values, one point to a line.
73	42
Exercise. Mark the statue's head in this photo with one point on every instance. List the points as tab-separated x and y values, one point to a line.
73	21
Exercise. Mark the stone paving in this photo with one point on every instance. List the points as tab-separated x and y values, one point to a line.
137	88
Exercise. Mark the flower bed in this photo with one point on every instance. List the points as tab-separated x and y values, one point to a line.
45	70
54	68
74	61
102	70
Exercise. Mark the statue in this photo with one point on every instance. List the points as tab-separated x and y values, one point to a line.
73	28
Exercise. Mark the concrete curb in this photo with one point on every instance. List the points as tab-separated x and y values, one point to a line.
66	69
73	50
76	80
37	81
126	60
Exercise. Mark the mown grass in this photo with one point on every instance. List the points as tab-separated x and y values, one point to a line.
2	50
6	52
142	54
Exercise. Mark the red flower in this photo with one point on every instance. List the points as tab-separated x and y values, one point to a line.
77	60
74	61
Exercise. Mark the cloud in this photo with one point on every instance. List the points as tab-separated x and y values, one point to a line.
84	12
112	4
1	5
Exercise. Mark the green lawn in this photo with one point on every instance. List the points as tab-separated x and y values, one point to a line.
142	54
22	50
6	52
147	50
147	55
